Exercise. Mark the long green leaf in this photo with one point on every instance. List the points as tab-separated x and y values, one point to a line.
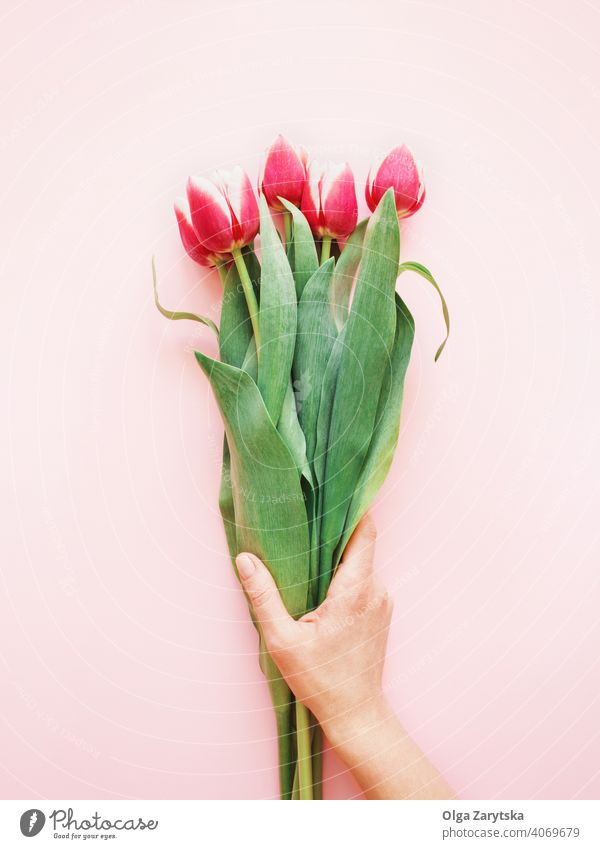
293	435
234	341
366	345
226	505
328	385
345	271
323	425
278	310
302	252
427	275
237	348
270	512
178	315
387	423
314	341
274	528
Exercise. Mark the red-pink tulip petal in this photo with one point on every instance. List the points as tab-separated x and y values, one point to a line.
415	207
243	204
369	192
188	235
398	170
284	174
339	206
311	197
211	215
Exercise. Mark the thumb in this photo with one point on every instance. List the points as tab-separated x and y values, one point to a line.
274	620
357	561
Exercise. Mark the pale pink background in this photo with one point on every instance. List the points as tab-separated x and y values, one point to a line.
127	661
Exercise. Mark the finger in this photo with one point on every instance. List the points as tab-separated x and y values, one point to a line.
357	561
361	545
274	620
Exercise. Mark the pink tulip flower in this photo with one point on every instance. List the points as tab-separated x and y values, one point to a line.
329	200
190	240
284	174
398	170
223	210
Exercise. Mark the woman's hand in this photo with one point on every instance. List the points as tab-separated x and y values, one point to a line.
332	659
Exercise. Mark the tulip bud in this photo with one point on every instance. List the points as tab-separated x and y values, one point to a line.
398	170
190	240
329	200
223	210
284	174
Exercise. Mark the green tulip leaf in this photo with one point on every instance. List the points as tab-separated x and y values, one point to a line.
345	271
427	275
174	315
292	434
278	309
237	348
234	341
270	512
364	349
261	494
387	423
302	252
314	340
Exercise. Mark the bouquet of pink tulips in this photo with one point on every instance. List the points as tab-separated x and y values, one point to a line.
314	344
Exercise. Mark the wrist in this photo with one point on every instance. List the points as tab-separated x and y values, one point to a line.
365	717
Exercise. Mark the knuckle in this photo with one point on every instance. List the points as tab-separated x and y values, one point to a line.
259	595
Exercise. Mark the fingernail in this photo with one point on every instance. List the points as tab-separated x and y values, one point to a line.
245	566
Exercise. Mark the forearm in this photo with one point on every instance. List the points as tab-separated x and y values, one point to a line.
386	763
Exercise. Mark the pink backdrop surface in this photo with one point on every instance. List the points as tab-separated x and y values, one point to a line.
127	661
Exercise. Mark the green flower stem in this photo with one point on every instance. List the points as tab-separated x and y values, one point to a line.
305	780
222	269
317	762
287	226
249	293
325	249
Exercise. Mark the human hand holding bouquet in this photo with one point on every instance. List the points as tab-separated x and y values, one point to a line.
313	354
332	658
